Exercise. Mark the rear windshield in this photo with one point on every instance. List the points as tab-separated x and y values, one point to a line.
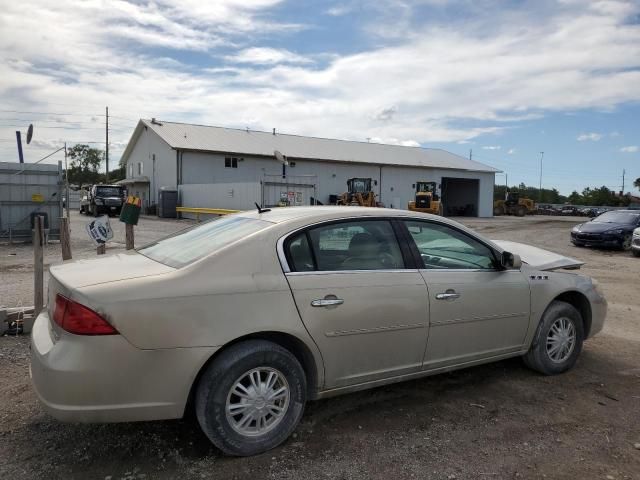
187	246
109	191
618	217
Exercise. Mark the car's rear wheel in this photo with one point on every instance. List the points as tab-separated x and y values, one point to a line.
251	398
557	342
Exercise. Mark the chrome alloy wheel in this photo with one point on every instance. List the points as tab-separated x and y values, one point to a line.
258	401
561	340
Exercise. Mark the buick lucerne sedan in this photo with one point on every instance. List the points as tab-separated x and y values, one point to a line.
246	317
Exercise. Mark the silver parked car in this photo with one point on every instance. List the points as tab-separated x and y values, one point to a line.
635	243
247	317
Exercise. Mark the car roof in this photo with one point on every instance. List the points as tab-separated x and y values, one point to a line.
285	214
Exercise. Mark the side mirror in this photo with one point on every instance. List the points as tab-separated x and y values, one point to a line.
510	261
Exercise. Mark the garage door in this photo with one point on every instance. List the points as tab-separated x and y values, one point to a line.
460	196
288	192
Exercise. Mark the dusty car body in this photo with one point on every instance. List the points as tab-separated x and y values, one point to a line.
249	316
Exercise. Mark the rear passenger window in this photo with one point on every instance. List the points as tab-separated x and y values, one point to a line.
356	245
300	257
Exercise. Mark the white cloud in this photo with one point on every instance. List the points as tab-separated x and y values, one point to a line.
265	56
338	10
491	147
630	149
432	83
594	137
511	151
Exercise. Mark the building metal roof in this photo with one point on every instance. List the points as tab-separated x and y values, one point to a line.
184	136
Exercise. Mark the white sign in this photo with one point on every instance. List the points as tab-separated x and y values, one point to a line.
99	230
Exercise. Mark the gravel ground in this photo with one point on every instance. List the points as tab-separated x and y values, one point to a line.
497	421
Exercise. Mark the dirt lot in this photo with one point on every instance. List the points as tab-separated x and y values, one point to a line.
494	421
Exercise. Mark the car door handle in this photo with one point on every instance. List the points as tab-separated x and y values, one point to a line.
327	302
448	295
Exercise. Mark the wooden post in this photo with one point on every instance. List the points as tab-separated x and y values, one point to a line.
65	240
38	265
102	249
129	237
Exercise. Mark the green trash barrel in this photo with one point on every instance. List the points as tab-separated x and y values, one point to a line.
131	210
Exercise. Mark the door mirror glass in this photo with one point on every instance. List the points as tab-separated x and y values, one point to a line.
510	261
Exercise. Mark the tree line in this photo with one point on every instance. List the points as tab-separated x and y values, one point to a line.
84	166
597	196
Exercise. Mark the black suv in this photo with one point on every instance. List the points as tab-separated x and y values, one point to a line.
103	199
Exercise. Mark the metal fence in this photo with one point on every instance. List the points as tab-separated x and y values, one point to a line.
27	190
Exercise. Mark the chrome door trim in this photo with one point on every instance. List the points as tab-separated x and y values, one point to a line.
334	272
360	331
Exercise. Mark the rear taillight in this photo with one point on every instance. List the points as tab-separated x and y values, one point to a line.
80	320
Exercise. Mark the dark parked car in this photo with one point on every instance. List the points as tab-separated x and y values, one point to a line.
611	229
102	199
569	211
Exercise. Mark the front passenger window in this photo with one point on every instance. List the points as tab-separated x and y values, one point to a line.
443	247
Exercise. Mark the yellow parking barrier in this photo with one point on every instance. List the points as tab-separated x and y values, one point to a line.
206	211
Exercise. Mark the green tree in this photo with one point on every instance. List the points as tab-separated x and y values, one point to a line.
636	183
85	164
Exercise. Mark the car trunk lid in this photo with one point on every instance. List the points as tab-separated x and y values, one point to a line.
123	266
539	258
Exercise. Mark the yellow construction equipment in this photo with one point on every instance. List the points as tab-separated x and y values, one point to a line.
427	200
205	211
358	193
513	204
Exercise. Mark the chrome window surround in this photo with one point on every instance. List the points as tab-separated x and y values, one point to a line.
287	270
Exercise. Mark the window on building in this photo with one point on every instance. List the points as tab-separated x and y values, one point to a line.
231	162
140	168
131	170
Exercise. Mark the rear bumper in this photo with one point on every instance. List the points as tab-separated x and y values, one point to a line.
106	379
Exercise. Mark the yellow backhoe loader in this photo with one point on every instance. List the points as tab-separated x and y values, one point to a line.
513	204
358	193
427	200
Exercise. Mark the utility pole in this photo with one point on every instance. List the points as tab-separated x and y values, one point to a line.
106	151
540	190
470	154
66	177
623	173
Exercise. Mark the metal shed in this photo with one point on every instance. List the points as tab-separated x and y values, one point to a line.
27	190
234	168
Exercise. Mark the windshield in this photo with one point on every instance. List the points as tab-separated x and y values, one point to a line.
189	245
109	191
618	217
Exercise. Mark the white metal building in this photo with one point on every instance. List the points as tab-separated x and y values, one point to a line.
233	168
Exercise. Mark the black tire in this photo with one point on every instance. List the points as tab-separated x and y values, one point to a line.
497	211
521	211
215	384
538	358
626	242
578	244
636	253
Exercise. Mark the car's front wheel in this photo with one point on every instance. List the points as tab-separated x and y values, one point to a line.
626	242
557	342
251	398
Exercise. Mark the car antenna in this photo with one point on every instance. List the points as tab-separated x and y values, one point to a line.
260	209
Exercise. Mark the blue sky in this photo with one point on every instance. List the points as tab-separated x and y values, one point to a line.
506	80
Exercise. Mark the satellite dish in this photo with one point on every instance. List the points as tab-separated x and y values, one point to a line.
280	157
29	133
